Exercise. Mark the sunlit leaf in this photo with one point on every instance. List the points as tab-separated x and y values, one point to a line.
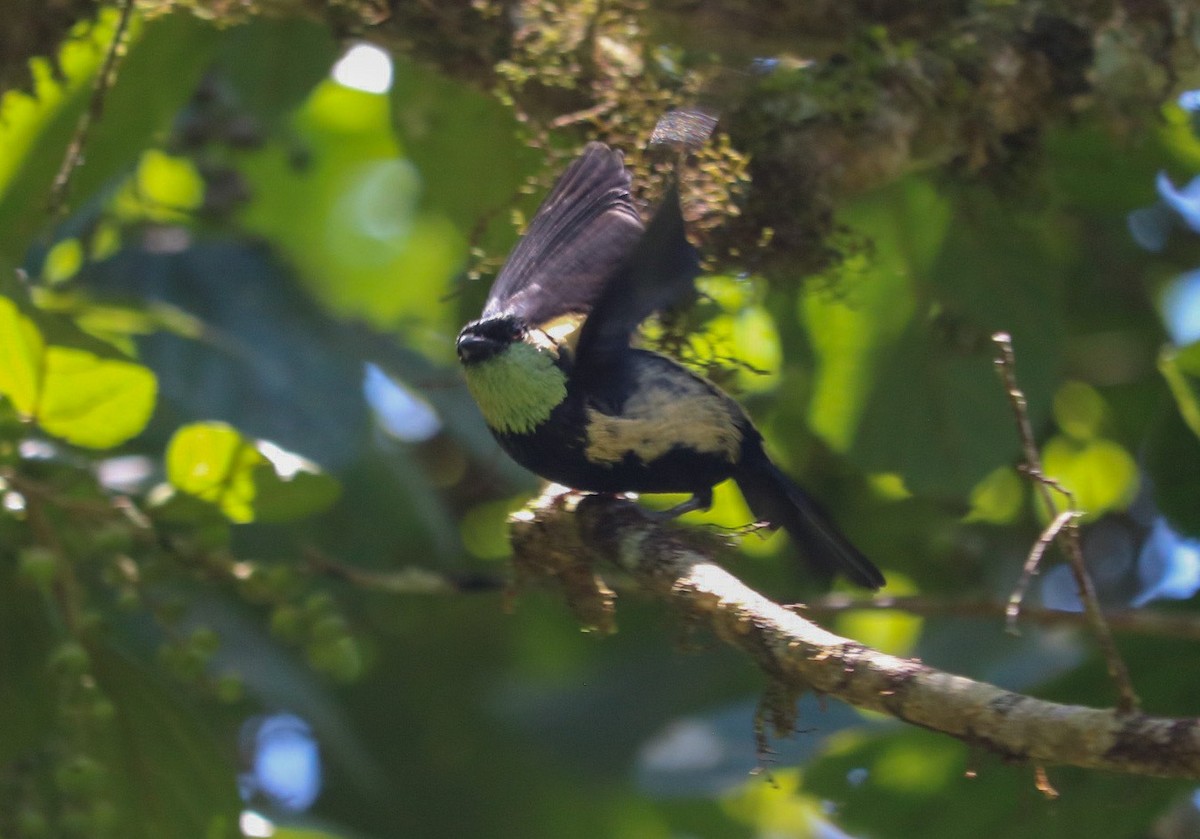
778	807
1079	410
144	99
891	631
909	387
998	498
86	393
93	401
162	189
21	350
350	220
214	463
1100	474
247	480
63	261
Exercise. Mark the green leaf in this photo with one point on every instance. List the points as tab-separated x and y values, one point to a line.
350	221
75	387
1101	475
248	480
21	352
904	378
213	462
1181	369
466	145
92	401
172	778
35	130
1172	461
899	785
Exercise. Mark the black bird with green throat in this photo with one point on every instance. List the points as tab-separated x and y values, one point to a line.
551	365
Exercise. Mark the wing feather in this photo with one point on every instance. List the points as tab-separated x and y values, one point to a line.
583	231
659	273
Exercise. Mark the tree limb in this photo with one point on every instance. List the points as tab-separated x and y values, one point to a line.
551	542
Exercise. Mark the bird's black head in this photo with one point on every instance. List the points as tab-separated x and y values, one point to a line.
487	338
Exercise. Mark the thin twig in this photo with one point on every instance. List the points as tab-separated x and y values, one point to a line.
410	580
586	114
1013	611
1067	533
1185	627
104	82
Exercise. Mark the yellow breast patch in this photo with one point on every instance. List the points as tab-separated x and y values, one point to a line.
670	407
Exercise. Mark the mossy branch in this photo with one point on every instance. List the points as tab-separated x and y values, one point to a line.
555	538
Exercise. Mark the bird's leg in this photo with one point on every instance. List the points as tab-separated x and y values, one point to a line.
701	500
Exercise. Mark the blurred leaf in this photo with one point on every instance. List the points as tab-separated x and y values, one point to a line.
852	329
266	359
80	390
892	631
1181	369
273	63
467	146
173	777
1100	474
93	401
1079	410
162	189
26	644
141	103
907	783
285	831
997	499
21	351
296	496
1172	462
775	808
349	218
904	378
214	463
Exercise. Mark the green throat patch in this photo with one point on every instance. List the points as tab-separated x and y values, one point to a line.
517	389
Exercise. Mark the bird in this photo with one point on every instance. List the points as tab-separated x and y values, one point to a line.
552	365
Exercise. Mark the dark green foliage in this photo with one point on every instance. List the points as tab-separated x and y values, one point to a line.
203	518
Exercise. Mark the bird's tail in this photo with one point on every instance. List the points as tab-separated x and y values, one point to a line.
775	498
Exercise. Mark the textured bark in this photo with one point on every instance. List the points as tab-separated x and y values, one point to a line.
826	99
551	541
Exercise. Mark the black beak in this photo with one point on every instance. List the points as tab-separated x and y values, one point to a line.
473	347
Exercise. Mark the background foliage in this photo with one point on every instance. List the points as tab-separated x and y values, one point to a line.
251	520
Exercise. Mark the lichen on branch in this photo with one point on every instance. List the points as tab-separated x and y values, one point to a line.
582	536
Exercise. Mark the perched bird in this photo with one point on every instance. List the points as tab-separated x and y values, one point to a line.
551	365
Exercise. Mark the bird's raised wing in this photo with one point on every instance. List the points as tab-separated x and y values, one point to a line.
584	230
659	273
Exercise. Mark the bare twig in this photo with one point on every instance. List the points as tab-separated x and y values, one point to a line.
1067	533
104	80
1032	563
585	115
798	655
411	580
1185	627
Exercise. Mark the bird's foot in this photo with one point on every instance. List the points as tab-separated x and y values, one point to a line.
699	501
